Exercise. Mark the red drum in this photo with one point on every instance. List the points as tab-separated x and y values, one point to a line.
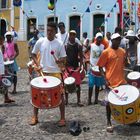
133	78
46	94
95	71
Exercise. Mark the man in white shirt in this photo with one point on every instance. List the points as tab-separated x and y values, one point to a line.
48	64
63	35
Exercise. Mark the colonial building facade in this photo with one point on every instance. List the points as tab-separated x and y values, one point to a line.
81	15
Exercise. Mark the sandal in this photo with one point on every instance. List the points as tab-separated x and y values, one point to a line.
34	121
13	92
62	123
109	129
80	104
9	101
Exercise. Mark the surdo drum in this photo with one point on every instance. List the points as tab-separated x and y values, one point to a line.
8	76
70	84
133	78
125	104
95	71
46	94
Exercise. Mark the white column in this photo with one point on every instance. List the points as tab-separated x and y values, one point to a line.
12	14
21	32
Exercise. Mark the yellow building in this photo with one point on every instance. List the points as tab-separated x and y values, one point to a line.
12	16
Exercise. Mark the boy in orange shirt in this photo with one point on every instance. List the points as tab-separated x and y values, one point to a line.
113	59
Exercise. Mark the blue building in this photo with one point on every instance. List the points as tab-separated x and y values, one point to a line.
82	15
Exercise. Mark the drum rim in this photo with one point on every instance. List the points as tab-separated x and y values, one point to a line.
133	78
42	79
47	88
123	104
69	77
8	81
12	61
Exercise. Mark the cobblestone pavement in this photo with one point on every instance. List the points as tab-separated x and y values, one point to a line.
14	119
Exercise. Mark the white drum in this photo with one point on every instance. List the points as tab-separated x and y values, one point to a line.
125	104
8	62
46	93
133	78
96	71
70	84
6	82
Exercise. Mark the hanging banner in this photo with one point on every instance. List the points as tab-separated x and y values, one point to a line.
120	8
17	3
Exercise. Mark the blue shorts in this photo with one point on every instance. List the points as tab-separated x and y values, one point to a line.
95	80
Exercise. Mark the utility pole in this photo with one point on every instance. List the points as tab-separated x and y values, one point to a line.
54	11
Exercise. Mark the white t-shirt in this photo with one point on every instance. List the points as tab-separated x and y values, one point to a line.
1	63
44	46
95	53
85	44
65	38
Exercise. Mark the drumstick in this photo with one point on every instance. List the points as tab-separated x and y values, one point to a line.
55	58
44	79
128	70
114	91
122	95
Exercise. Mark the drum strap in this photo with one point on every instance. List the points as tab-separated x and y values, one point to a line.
62	79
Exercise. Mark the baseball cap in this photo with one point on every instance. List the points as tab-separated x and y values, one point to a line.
8	33
130	33
73	31
115	35
98	35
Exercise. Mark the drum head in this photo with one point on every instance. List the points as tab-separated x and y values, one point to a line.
125	94
6	82
69	80
133	75
49	83
8	62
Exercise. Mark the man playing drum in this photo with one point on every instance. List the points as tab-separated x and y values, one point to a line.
113	59
2	71
96	50
48	64
11	51
74	56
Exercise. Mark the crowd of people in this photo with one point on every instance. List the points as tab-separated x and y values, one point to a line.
103	59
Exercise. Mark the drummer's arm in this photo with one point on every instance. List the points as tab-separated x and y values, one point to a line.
16	49
3	49
81	55
103	74
34	57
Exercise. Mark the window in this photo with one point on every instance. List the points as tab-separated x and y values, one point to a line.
2	27
3	3
31	26
74	24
